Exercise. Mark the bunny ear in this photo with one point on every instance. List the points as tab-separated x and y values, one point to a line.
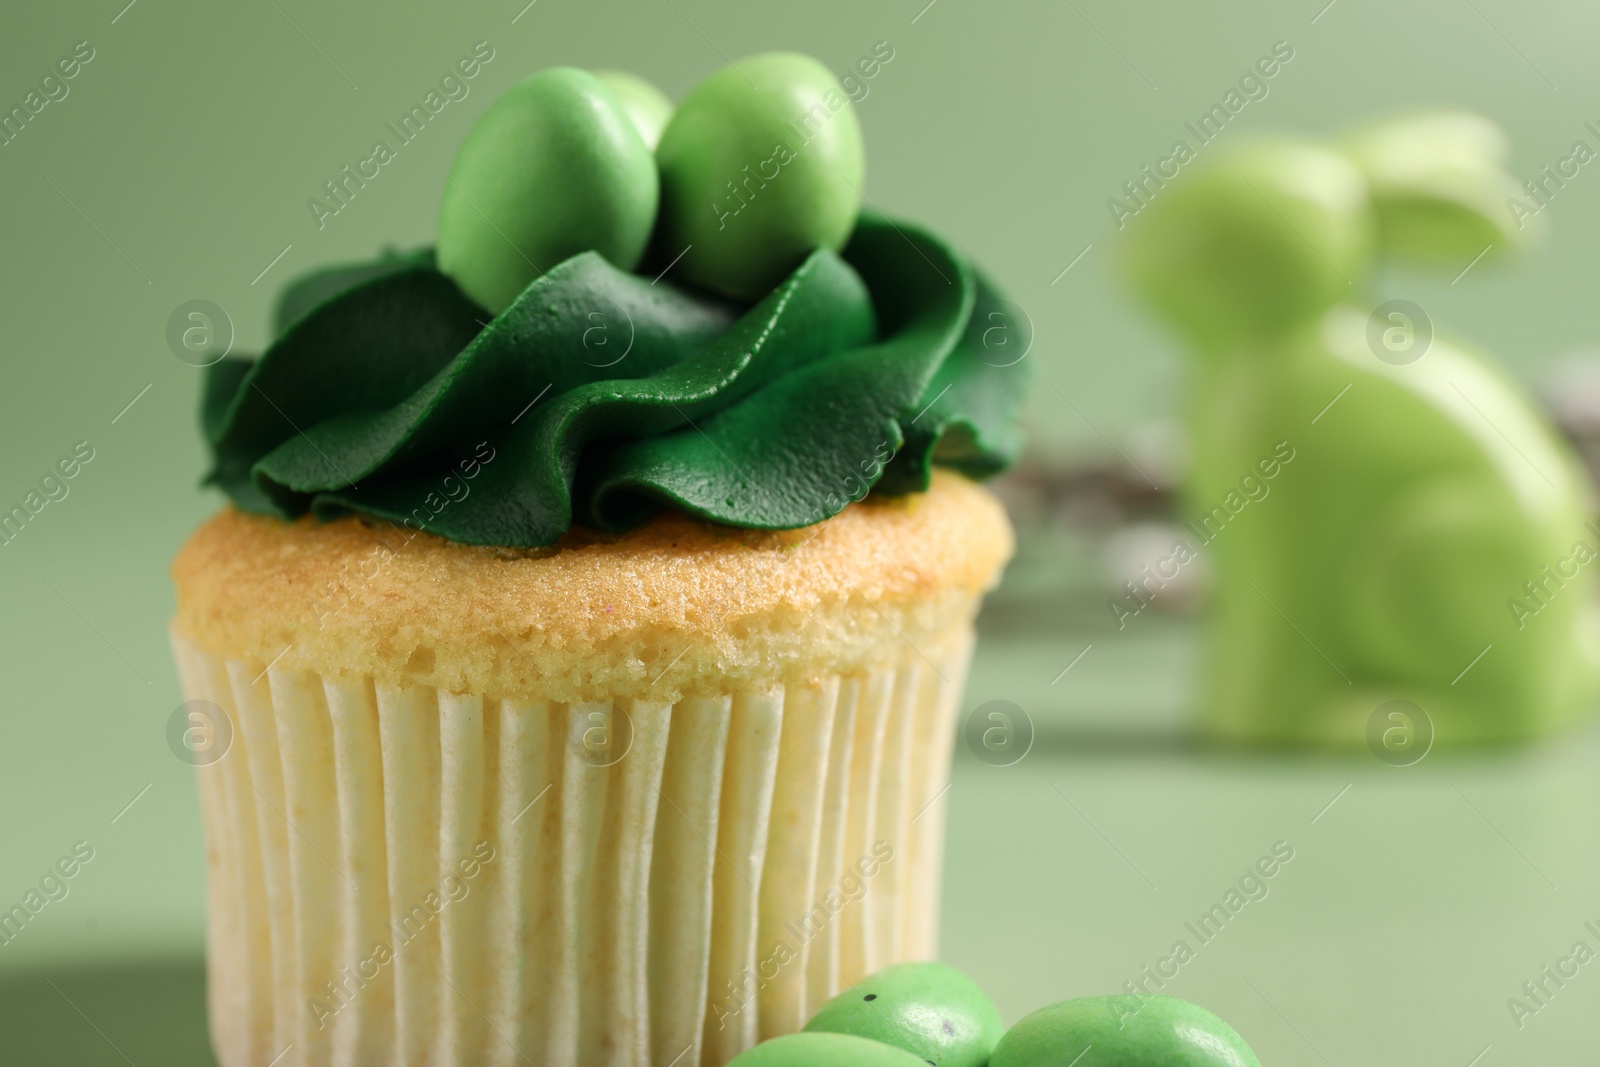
1440	189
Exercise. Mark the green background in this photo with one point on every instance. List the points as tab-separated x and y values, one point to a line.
180	165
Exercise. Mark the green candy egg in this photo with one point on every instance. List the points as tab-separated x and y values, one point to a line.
761	164
928	1009
824	1050
1123	1031
553	168
646	106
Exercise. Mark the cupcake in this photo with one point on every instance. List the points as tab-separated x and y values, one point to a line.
592	622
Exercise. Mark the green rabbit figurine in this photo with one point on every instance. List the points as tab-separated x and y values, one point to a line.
1403	545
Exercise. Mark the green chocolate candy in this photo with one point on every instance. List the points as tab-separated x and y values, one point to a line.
1440	188
928	1009
553	168
1123	1031
824	1050
646	106
761	163
1254	241
1414	507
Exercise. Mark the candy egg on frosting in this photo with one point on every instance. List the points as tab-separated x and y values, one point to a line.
930	1009
647	106
761	164
1123	1031
825	1050
554	167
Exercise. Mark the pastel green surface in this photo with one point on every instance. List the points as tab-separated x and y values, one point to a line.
553	168
647	107
824	1050
761	163
1384	509
1123	1031
600	397
930	1009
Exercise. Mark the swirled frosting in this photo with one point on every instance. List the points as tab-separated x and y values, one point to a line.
599	397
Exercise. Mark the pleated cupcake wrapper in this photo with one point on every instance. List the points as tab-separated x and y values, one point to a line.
413	877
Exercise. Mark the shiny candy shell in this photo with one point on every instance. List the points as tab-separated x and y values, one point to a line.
1123	1031
647	106
929	1009
761	163
554	167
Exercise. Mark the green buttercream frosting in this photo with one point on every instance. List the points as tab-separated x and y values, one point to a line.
599	397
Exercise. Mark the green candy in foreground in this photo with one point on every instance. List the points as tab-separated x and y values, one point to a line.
825	1050
553	168
1123	1031
761	164
929	1009
928	1013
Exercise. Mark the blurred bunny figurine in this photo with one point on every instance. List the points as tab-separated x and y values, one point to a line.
1403	545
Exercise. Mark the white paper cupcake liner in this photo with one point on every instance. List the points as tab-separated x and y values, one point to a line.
413	877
